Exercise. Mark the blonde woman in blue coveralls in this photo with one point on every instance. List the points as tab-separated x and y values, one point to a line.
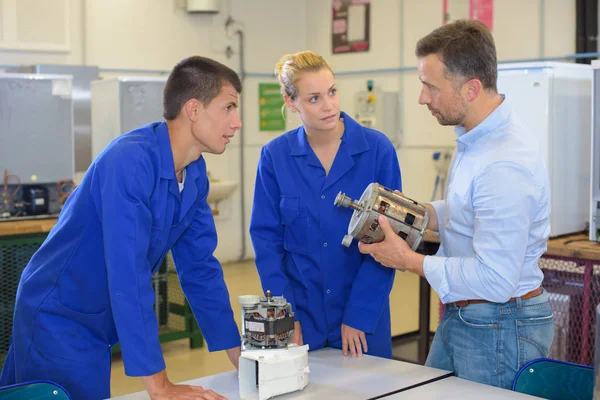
340	297
89	285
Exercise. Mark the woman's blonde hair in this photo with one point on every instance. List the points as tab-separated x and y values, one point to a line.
291	65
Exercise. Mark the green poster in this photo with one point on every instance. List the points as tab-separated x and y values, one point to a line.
270	103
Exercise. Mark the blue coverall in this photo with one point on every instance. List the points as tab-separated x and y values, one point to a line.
297	231
89	285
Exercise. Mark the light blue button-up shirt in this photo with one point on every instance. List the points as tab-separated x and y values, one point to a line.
494	223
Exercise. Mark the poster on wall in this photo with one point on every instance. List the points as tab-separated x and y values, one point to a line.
350	26
480	10
270	103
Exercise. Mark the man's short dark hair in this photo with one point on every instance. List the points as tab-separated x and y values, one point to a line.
467	50
198	78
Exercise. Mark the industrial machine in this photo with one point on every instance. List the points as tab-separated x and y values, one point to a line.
36	154
122	104
268	322
82	77
269	364
407	217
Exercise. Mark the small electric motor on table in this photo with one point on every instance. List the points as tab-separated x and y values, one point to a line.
269	364
267	322
407	217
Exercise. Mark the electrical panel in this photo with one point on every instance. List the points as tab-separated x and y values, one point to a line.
379	110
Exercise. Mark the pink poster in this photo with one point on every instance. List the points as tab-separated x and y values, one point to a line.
350	28
482	10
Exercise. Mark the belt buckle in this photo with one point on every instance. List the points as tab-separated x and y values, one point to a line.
461	303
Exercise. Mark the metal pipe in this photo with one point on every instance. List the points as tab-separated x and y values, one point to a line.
242	74
400	133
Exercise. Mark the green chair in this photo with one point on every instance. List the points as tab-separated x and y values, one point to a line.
38	390
555	380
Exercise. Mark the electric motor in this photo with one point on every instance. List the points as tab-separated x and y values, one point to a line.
267	322
407	217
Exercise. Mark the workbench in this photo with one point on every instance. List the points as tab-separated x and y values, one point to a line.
19	240
333	376
27	227
571	267
459	389
576	245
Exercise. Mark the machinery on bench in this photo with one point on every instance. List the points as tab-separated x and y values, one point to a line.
407	217
269	364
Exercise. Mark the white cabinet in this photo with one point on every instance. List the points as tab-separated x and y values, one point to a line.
555	102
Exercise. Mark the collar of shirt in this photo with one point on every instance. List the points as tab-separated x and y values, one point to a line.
495	119
167	164
353	137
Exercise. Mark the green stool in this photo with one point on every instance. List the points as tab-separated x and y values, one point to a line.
38	390
555	380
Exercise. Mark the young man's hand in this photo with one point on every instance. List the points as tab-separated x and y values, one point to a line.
355	340
160	388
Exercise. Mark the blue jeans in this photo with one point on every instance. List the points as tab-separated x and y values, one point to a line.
490	342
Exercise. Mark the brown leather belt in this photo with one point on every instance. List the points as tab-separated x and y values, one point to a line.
464	303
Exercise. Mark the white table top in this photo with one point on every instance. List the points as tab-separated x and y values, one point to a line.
332	376
460	389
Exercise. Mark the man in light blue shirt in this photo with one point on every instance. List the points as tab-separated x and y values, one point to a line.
494	223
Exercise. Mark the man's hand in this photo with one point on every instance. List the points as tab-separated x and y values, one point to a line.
297	335
234	356
393	252
354	340
160	388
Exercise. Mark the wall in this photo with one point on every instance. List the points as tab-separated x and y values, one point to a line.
73	56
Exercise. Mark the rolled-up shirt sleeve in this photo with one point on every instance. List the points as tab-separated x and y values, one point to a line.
440	209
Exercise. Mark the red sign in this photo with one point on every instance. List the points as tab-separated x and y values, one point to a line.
482	10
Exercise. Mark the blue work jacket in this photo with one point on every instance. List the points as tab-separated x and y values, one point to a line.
89	285
297	231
